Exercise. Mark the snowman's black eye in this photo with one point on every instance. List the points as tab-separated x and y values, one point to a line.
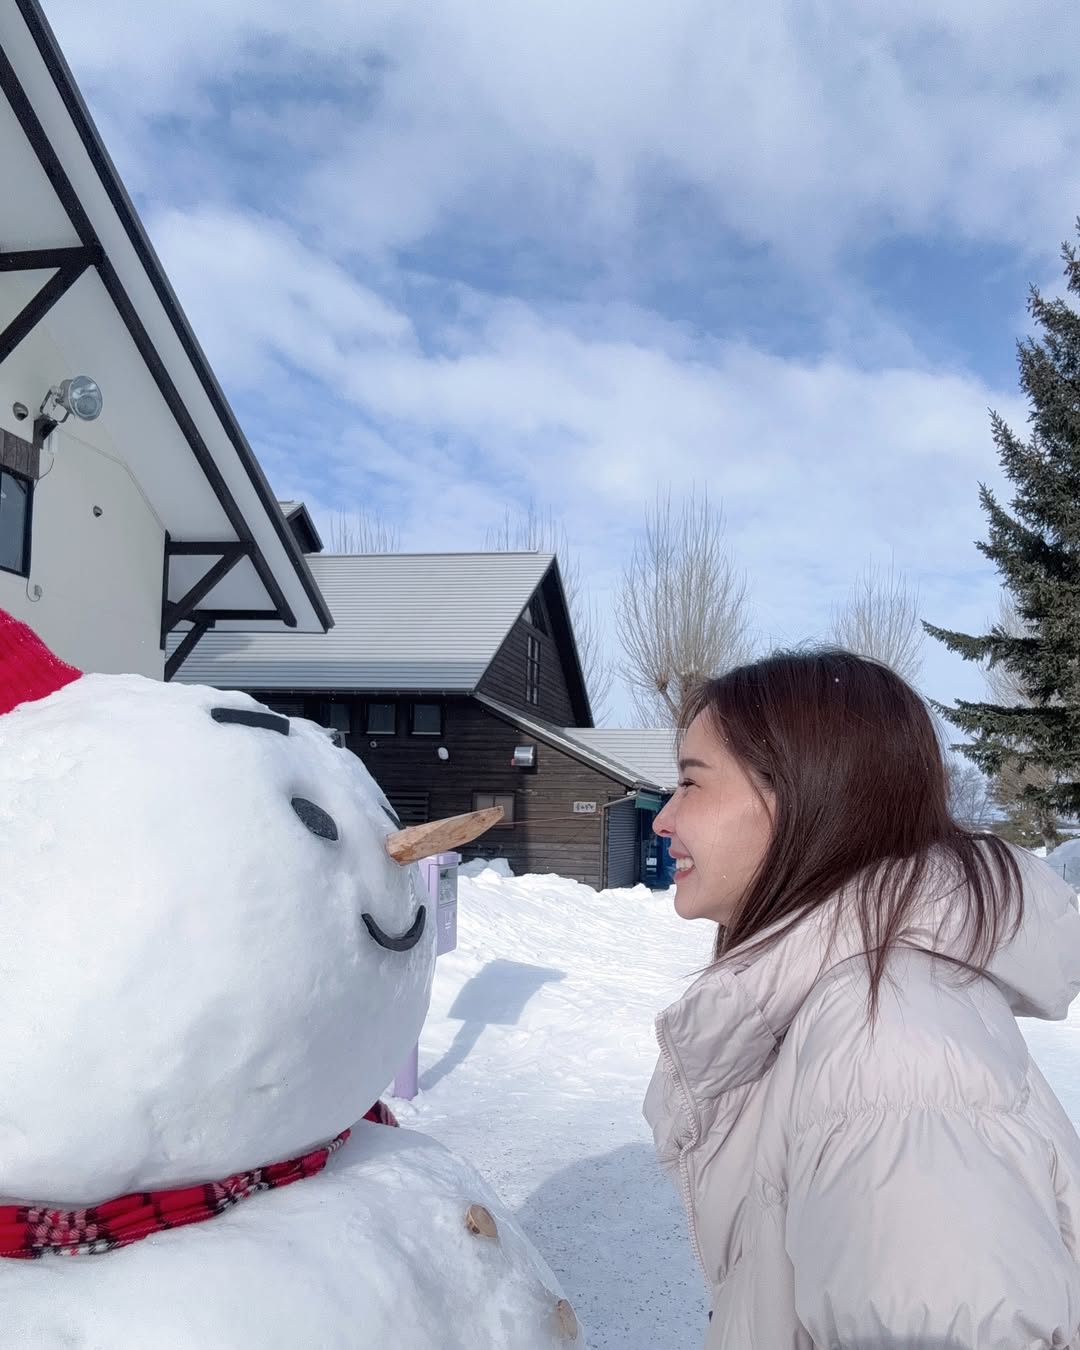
315	818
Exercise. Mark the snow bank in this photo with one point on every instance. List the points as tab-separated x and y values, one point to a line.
478	866
1065	860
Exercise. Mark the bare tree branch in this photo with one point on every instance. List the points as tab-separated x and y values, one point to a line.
880	620
1004	684
681	612
535	530
363	532
969	794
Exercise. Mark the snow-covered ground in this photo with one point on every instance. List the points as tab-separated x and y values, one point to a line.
533	1064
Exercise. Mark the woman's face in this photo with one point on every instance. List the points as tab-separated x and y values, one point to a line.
719	824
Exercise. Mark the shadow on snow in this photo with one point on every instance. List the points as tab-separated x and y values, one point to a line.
495	996
613	1230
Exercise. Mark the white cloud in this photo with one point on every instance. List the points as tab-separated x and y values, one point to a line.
805	126
257	296
821	465
808	130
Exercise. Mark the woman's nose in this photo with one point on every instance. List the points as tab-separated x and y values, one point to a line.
660	823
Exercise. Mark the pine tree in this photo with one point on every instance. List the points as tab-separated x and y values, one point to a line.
1036	548
1023	820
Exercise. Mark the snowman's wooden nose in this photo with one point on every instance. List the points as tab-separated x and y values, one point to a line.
440	836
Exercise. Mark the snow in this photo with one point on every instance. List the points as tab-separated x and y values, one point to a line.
373	1254
1065	860
499	867
533	1064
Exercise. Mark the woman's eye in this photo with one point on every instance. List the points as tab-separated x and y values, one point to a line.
687	782
315	818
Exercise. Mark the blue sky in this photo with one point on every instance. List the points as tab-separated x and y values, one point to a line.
452	259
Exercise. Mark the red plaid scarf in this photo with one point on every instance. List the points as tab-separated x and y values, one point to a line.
29	1231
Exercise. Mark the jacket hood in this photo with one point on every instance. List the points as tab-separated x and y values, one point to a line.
724	1031
1039	970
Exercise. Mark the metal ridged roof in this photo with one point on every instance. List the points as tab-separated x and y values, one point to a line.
648	751
564	739
633	756
402	621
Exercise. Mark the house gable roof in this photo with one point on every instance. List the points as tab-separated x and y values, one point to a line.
568	741
427	622
82	291
553	603
647	751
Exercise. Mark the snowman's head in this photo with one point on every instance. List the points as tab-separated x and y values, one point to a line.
208	958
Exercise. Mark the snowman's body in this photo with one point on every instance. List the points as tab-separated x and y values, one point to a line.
373	1252
208	964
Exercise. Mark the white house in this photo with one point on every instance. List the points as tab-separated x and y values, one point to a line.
151	516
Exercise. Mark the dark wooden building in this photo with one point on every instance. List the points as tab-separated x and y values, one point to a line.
456	678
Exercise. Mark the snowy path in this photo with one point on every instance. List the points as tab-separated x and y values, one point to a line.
533	1064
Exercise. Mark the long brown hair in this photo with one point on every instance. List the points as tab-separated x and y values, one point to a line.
852	759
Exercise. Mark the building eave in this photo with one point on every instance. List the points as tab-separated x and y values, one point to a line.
251	511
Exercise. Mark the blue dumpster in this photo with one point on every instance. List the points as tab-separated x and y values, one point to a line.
665	864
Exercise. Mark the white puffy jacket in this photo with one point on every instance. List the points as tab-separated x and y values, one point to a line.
915	1184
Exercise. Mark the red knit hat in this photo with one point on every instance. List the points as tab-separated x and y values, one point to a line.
28	670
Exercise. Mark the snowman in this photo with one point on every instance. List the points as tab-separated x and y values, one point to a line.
214	954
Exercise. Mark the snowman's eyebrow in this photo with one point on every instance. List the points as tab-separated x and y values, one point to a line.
245	717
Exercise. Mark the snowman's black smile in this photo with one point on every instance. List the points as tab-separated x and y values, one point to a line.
406	941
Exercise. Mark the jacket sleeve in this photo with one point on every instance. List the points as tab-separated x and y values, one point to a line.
927	1227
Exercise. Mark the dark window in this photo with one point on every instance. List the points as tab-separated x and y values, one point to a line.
382	719
427	719
482	800
535	615
16	494
532	672
337	716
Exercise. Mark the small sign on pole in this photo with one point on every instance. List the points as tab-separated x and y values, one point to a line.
440	876
584	808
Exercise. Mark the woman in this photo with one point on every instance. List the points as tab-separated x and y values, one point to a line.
867	1153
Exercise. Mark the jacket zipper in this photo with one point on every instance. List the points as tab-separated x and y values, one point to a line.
684	1168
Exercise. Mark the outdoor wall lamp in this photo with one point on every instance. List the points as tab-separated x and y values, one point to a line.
443	753
80	397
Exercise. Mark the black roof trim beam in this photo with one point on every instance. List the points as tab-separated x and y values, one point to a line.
227	555
44	259
236	615
173	664
70	263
